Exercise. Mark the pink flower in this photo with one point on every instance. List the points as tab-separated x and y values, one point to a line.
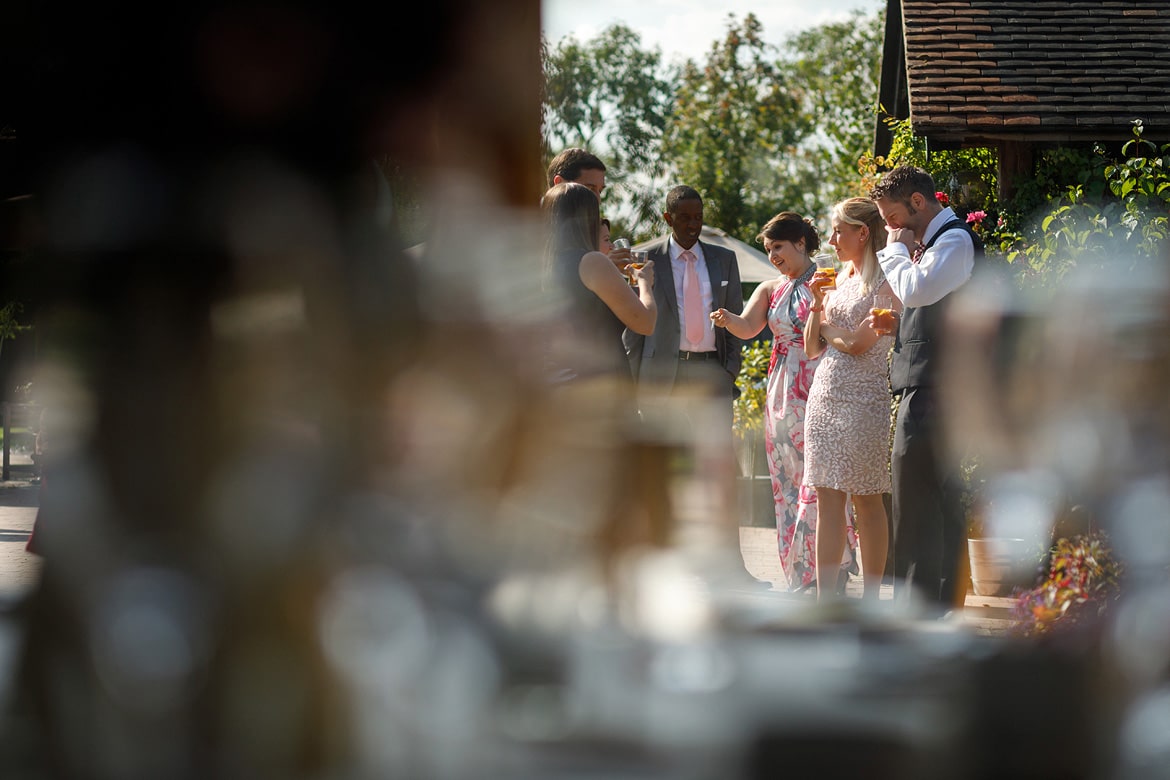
976	217
942	198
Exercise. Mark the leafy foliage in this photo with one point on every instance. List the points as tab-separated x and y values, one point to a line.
606	92
1081	582
9	325
967	176
837	67
754	128
1142	181
734	123
608	95
752	383
1081	208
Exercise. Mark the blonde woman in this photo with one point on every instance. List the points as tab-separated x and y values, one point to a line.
782	304
847	418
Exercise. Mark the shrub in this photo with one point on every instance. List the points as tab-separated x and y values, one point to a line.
752	383
1081	583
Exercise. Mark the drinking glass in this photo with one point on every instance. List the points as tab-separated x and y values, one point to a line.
883	314
827	269
639	260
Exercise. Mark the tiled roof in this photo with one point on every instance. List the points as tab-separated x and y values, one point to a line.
1037	69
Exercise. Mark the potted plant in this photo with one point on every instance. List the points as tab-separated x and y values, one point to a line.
998	564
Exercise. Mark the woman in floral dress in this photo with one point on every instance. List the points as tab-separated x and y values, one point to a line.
782	304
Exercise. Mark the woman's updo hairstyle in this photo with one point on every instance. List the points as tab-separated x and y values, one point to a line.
790	226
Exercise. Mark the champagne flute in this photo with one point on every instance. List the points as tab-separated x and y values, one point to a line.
883	314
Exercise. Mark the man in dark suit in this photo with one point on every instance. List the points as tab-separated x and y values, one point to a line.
930	254
670	359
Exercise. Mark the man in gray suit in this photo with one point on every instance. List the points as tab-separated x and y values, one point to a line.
671	359
686	372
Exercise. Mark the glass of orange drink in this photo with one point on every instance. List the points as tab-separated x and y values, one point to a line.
883	314
639	260
827	269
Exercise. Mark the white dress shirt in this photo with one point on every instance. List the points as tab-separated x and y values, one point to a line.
678	266
943	268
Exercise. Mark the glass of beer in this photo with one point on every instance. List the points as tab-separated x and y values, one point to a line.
639	260
883	314
827	269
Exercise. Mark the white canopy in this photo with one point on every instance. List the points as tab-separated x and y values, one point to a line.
753	264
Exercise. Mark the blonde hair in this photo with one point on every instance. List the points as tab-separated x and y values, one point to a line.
858	212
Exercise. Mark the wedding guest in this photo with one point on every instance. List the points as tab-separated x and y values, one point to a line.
611	461
579	165
582	166
601	303
847	426
697	278
930	254
782	304
686	371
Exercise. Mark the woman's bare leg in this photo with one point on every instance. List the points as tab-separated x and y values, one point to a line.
830	541
873	538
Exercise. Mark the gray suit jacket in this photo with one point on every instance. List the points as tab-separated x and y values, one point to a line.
654	358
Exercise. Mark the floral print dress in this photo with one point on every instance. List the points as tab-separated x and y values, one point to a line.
790	375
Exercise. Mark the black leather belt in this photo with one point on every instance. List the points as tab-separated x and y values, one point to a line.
697	355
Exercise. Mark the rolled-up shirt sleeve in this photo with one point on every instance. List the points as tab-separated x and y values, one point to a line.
943	268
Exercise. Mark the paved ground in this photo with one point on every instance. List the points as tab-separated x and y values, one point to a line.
19	569
988	615
18	508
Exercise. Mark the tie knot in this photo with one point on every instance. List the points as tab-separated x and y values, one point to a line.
688	255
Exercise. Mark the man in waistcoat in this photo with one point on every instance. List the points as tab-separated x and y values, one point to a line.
930	254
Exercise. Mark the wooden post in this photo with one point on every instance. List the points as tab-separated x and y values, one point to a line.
1015	162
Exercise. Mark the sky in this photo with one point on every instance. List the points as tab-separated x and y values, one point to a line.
686	28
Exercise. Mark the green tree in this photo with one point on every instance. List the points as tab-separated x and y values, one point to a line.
607	95
735	128
9	325
837	68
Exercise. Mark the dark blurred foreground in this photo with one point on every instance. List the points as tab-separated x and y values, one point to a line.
313	514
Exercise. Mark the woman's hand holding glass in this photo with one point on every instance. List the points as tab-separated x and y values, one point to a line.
883	319
620	254
826	274
639	270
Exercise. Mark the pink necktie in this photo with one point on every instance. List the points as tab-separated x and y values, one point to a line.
692	299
